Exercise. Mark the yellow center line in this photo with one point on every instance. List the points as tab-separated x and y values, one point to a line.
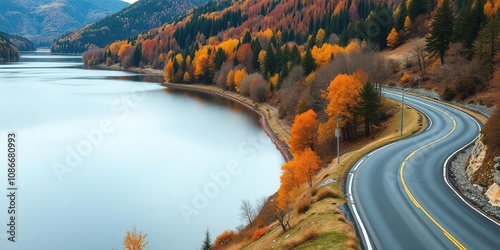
407	190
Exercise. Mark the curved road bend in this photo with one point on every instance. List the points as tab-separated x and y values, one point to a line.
400	198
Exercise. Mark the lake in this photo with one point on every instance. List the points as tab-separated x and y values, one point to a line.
98	152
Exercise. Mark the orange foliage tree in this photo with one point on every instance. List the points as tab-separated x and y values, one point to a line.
303	131
169	71
224	239
343	97
307	163
393	38
135	240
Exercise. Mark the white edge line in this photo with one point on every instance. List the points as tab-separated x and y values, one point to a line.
355	211
451	187
349	188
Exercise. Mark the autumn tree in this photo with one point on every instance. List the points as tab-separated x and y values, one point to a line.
441	31
169	71
238	76
369	106
393	38
407	25
307	163
244	56
230	80
303	130
135	240
247	213
320	37
343	97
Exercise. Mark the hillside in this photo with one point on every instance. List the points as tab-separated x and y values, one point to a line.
21	43
8	53
131	21
42	21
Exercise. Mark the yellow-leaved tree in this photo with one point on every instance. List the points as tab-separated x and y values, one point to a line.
135	240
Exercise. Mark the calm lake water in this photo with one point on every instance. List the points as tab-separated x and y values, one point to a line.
99	152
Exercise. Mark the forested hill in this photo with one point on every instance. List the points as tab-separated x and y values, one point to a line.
8	53
133	20
21	43
43	21
337	21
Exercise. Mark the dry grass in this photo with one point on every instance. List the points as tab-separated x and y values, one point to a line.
328	193
237	246
308	236
303	205
313	191
351	244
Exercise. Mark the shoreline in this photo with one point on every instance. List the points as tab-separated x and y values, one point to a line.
278	132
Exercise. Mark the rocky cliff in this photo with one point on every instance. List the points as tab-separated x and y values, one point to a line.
484	172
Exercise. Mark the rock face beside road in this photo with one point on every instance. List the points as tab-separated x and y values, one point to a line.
465	166
459	170
493	192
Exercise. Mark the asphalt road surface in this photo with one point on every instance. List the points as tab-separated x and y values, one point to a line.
400	197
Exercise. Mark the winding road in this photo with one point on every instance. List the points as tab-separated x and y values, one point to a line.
399	194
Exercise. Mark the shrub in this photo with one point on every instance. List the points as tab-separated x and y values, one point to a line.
224	239
303	205
308	236
328	193
259	233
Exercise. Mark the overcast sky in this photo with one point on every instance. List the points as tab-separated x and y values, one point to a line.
130	1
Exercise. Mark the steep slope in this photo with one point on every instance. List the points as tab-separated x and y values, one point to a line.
137	18
21	43
42	21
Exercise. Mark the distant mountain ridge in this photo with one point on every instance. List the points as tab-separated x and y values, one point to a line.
131	21
43	21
